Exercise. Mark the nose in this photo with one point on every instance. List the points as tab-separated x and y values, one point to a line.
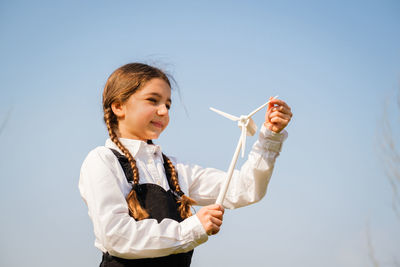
162	110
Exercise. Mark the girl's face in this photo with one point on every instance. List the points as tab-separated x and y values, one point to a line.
146	113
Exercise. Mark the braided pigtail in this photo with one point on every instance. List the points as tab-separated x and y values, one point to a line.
122	84
185	202
135	209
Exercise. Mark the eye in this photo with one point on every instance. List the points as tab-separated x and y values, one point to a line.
168	106
153	100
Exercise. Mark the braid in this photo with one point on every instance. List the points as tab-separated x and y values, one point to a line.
135	209
185	202
120	85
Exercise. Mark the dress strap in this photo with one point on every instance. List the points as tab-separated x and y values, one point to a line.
126	166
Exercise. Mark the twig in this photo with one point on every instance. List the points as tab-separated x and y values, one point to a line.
371	252
4	123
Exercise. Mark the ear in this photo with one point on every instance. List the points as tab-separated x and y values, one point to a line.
119	109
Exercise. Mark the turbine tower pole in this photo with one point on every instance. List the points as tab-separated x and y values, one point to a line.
225	186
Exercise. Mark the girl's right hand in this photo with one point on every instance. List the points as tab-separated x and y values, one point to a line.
211	218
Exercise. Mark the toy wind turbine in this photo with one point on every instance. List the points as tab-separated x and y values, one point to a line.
246	123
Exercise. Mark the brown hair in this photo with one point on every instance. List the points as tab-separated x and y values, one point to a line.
121	84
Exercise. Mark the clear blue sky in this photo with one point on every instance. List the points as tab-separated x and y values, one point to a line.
334	62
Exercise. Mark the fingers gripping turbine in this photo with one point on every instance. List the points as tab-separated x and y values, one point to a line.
249	128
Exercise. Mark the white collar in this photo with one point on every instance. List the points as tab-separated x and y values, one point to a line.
136	147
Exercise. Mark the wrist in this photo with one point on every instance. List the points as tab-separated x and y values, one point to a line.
268	134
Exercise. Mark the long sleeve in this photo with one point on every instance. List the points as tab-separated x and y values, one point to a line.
103	188
248	185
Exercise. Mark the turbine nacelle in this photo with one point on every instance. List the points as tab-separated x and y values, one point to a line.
249	123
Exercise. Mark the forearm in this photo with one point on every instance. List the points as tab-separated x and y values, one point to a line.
130	239
249	184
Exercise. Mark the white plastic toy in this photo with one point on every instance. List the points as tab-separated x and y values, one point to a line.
246	123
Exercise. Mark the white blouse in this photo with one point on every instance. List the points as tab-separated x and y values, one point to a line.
103	187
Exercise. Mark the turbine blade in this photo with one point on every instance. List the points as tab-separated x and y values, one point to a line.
257	109
226	115
244	135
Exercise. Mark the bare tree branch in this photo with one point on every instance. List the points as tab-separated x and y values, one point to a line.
371	251
4	123
391	154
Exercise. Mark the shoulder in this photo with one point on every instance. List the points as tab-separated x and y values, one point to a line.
101	155
177	161
185	168
101	165
100	172
173	159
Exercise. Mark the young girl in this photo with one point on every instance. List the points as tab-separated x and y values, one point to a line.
139	199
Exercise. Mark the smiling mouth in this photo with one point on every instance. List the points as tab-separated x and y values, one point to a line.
157	124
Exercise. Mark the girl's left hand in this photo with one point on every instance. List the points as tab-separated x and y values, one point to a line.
278	115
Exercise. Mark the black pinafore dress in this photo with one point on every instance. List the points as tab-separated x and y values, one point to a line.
160	204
